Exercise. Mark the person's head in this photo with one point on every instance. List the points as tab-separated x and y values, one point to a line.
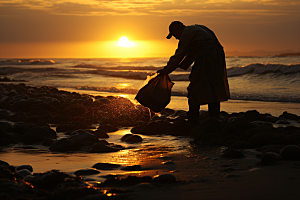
175	29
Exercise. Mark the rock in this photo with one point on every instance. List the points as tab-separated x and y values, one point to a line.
239	145
232	154
37	134
24	172
105	166
3	163
129	180
164	178
252	115
85	172
131	138
282	121
270	158
28	167
6	126
99	133
290	152
20	127
4	114
108	128
179	127
232	176
100	147
48	180
63	145
287	115
238	125
132	168
82	138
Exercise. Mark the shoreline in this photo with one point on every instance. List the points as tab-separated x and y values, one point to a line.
227	156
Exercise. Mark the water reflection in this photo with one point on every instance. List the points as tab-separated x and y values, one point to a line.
147	154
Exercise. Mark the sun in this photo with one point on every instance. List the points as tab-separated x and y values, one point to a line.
124	42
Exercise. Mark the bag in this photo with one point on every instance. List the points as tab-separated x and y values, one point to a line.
156	95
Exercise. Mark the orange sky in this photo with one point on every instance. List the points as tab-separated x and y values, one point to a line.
91	28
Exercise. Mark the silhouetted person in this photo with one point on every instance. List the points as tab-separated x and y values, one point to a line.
208	77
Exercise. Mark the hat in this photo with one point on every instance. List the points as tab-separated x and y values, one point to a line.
173	25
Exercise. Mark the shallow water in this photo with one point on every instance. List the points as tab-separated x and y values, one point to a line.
150	154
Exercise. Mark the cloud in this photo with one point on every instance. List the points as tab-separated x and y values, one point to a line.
157	7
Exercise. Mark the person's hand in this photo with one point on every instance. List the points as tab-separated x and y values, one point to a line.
162	71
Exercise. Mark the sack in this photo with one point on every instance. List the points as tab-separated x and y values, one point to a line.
156	95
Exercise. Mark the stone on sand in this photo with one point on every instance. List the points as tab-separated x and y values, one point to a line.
105	166
164	178
85	172
290	152
131	138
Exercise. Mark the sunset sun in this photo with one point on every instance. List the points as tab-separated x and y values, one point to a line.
124	42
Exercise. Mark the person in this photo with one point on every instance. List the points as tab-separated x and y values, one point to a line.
208	78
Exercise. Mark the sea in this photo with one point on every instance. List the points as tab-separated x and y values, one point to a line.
266	84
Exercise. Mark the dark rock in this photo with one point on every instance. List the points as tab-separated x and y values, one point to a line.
24	172
102	148
3	163
83	138
48	180
152	128
129	180
99	133
28	167
4	114
232	154
252	115
72	126
132	168
287	115
6	126
108	128
290	152
20	127
37	134
282	121
85	172
164	178
105	166
131	138
238	125
63	145
239	145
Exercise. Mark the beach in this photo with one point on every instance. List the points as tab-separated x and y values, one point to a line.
109	147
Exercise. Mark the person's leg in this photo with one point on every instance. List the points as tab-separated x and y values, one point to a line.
214	109
193	113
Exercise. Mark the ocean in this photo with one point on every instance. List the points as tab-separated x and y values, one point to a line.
267	84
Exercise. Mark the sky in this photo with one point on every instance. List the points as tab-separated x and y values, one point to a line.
92	28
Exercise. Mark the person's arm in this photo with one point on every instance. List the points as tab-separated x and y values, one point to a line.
187	61
180	53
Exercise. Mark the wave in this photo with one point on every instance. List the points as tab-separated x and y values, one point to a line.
259	68
234	96
141	73
28	62
141	68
